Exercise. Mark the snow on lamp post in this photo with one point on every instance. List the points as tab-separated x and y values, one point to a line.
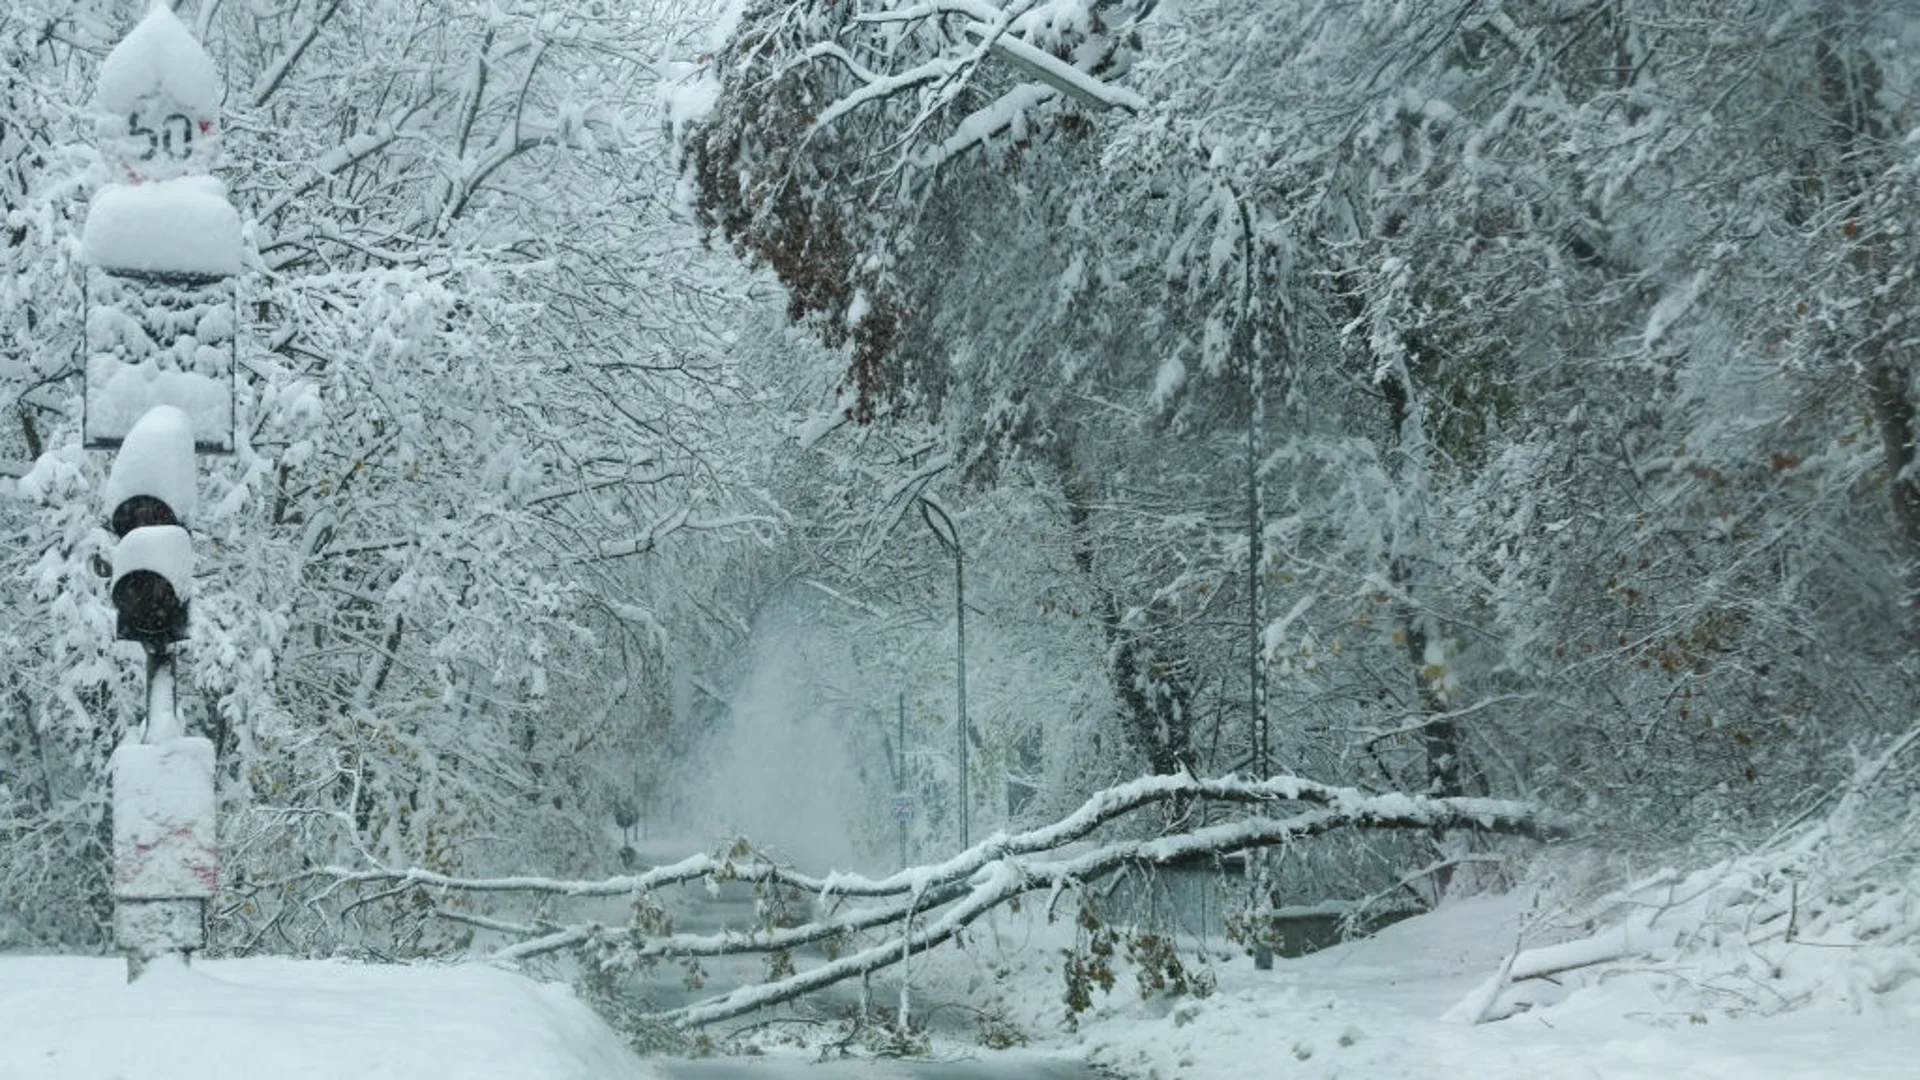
162	247
162	244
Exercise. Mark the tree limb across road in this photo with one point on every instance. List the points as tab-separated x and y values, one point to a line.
923	906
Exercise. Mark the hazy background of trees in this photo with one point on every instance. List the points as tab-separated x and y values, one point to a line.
1469	397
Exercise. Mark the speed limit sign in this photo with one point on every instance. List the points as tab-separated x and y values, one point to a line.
158	102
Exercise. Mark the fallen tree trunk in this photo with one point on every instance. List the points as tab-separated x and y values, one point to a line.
924	906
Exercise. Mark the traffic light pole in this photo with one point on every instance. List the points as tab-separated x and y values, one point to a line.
165	859
159	378
165	865
163	720
170	921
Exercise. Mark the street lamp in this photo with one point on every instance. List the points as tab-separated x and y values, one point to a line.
949	538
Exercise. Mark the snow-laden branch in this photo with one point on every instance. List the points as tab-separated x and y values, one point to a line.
1348	805
1006	878
1039	64
874	86
692	868
276	73
680	520
926	905
984	123
992	35
988	24
1351	805
1817	885
1494	815
973	9
348	154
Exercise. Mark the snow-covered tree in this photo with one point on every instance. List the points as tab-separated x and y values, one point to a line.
487	412
1547	486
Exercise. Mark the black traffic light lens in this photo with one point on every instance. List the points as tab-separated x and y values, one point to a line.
139	512
149	609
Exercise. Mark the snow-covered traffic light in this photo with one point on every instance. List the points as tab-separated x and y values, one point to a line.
150	495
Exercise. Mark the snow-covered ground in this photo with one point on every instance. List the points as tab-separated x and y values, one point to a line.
64	1018
1386	1008
1389	1007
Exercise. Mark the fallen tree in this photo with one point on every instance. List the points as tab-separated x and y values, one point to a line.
920	907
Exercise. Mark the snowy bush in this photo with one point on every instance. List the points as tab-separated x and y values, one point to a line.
1826	913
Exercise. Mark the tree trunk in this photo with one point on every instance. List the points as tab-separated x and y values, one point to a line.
1893	412
1439	736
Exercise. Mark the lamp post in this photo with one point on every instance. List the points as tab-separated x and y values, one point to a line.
901	800
942	528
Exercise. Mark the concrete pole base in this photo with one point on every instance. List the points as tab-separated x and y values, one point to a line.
147	930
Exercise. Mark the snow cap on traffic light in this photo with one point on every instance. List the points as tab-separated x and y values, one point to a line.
154	464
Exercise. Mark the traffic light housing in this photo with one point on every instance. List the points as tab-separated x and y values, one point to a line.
150	492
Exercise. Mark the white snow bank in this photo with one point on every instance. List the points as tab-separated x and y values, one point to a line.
182	226
1377	1010
1799	960
64	1018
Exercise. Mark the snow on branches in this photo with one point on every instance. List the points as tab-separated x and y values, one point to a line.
1826	911
924	906
819	115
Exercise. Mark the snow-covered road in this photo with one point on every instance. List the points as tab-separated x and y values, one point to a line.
1371	1010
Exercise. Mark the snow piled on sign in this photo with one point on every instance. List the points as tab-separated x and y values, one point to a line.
184	226
160	55
118	393
76	1018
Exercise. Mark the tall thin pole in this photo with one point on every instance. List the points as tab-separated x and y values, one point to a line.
1256	554
163	719
960	658
1261	736
900	772
949	538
